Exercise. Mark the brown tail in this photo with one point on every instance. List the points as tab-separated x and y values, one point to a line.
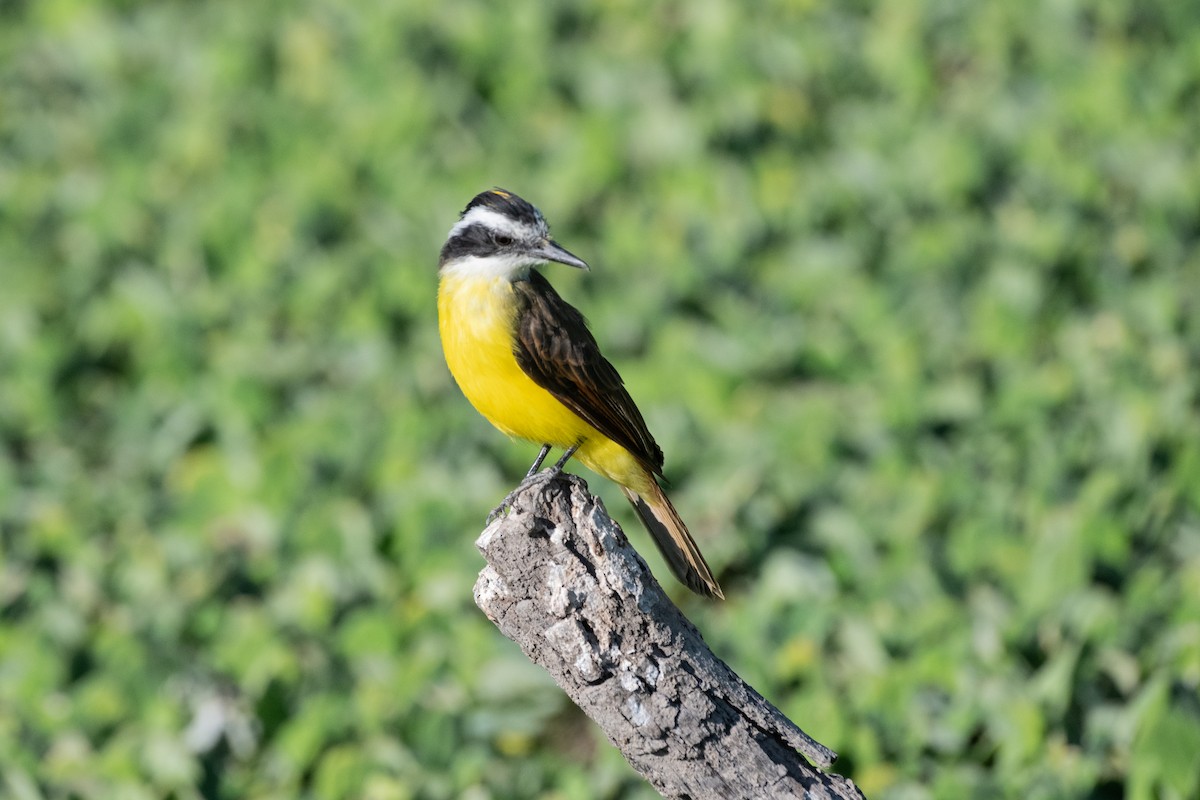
674	541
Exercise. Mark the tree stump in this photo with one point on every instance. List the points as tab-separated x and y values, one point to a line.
563	583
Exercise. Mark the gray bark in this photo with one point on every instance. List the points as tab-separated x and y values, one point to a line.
563	582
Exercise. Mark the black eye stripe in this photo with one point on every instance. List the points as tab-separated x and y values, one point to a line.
475	240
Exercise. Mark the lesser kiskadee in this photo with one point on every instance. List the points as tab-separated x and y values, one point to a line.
525	359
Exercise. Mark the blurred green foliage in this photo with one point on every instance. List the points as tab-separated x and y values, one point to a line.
909	293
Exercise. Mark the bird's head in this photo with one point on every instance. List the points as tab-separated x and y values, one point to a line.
500	234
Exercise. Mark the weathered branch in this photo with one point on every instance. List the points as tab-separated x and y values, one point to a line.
564	584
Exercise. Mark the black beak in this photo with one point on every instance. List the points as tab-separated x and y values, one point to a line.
553	251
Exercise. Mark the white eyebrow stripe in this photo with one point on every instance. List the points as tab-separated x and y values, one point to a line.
489	219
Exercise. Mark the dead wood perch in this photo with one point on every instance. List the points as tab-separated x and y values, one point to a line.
564	584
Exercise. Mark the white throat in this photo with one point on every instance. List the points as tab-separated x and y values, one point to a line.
498	266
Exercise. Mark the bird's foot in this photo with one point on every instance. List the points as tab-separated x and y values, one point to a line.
538	463
505	505
548	474
562	462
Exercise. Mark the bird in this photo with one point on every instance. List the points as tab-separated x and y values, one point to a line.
526	360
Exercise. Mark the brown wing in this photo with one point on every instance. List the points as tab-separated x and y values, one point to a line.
556	349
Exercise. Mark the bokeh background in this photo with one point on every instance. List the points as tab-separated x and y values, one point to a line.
908	292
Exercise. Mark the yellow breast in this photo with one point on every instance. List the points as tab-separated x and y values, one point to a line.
476	318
